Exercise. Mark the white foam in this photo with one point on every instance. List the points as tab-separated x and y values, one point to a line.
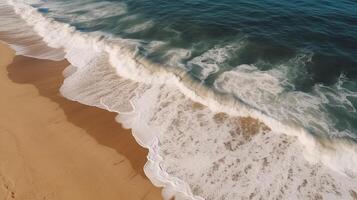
250	85
185	144
140	27
22	38
209	62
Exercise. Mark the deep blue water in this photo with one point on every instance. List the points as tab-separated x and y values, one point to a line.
315	39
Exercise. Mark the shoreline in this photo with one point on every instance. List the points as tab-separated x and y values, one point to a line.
308	145
69	150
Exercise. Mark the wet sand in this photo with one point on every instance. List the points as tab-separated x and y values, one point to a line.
53	148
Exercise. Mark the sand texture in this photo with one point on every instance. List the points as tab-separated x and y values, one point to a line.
52	148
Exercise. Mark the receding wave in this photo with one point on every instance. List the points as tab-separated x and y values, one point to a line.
204	143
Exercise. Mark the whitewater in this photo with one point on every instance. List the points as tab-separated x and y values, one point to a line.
203	144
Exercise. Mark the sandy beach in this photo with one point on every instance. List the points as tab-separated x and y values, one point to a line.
53	148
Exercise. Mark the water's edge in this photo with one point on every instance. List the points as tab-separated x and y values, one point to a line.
118	54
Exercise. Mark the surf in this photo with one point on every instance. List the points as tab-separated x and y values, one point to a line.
109	72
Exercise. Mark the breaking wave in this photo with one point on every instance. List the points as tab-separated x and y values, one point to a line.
243	137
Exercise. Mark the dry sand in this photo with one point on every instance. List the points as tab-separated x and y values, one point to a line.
52	148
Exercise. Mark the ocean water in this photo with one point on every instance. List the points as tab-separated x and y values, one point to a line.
234	99
294	49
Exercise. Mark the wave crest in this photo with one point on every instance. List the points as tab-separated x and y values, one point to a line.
190	147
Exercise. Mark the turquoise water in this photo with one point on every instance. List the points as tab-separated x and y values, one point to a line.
307	47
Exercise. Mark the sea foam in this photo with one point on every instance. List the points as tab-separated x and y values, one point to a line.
218	148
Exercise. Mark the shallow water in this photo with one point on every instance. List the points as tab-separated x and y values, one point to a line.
291	65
